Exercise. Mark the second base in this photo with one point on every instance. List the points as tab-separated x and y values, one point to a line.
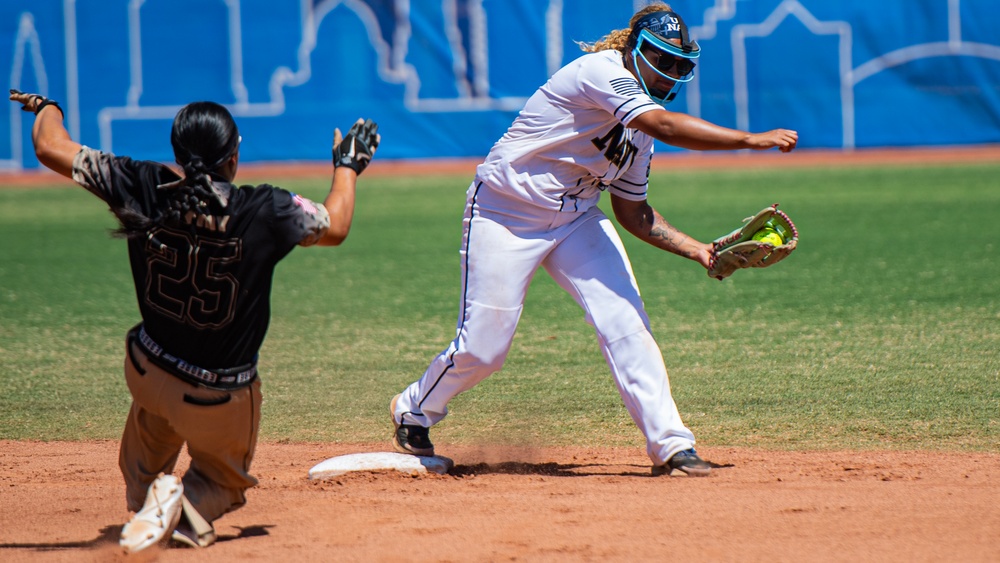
379	461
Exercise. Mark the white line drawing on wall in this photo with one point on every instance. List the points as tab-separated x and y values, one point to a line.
26	44
849	77
392	66
460	60
954	46
133	110
784	10
468	44
72	71
722	10
554	34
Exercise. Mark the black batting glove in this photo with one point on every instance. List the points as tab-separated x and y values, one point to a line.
357	148
32	102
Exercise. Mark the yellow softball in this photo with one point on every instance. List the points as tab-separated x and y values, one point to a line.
769	236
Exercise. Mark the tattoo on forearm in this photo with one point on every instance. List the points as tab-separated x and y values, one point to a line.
669	235
665	236
648	225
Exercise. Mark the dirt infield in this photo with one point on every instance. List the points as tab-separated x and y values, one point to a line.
688	160
64	502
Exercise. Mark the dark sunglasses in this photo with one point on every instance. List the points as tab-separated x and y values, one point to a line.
672	65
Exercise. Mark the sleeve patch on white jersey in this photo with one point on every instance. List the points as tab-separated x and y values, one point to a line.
626	86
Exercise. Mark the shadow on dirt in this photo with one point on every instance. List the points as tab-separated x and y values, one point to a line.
109	535
552	469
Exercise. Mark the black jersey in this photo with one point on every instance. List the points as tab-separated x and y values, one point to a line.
204	287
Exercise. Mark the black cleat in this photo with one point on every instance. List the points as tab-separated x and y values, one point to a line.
410	438
686	461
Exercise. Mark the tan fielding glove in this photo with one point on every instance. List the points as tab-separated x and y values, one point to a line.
740	249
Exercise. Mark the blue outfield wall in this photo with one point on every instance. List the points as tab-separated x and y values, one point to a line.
444	78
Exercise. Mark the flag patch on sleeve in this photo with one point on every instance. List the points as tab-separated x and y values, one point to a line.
304	203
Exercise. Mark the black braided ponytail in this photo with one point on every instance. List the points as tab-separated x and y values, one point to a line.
204	136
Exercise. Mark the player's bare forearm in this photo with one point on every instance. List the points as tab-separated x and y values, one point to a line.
693	133
339	203
351	155
664	235
53	145
646	224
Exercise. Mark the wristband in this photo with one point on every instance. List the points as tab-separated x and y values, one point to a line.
48	102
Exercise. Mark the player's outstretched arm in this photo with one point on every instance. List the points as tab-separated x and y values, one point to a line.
53	145
693	133
640	219
351	155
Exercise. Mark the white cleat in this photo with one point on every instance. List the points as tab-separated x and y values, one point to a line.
193	530
158	517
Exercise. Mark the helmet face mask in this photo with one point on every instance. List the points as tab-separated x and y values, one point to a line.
650	42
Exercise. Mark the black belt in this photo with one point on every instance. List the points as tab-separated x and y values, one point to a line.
232	378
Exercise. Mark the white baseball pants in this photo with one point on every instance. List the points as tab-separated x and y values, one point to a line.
503	245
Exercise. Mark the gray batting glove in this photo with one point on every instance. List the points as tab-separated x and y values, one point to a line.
356	149
32	102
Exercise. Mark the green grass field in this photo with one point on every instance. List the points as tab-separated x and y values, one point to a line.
882	331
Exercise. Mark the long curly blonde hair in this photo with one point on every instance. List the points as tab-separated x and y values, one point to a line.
618	38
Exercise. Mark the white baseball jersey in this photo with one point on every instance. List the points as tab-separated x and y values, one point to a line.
571	141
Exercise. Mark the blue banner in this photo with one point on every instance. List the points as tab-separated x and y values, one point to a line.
444	78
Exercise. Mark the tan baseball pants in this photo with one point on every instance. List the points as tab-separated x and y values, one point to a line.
220	428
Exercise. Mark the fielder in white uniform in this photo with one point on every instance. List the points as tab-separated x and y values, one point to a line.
588	130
